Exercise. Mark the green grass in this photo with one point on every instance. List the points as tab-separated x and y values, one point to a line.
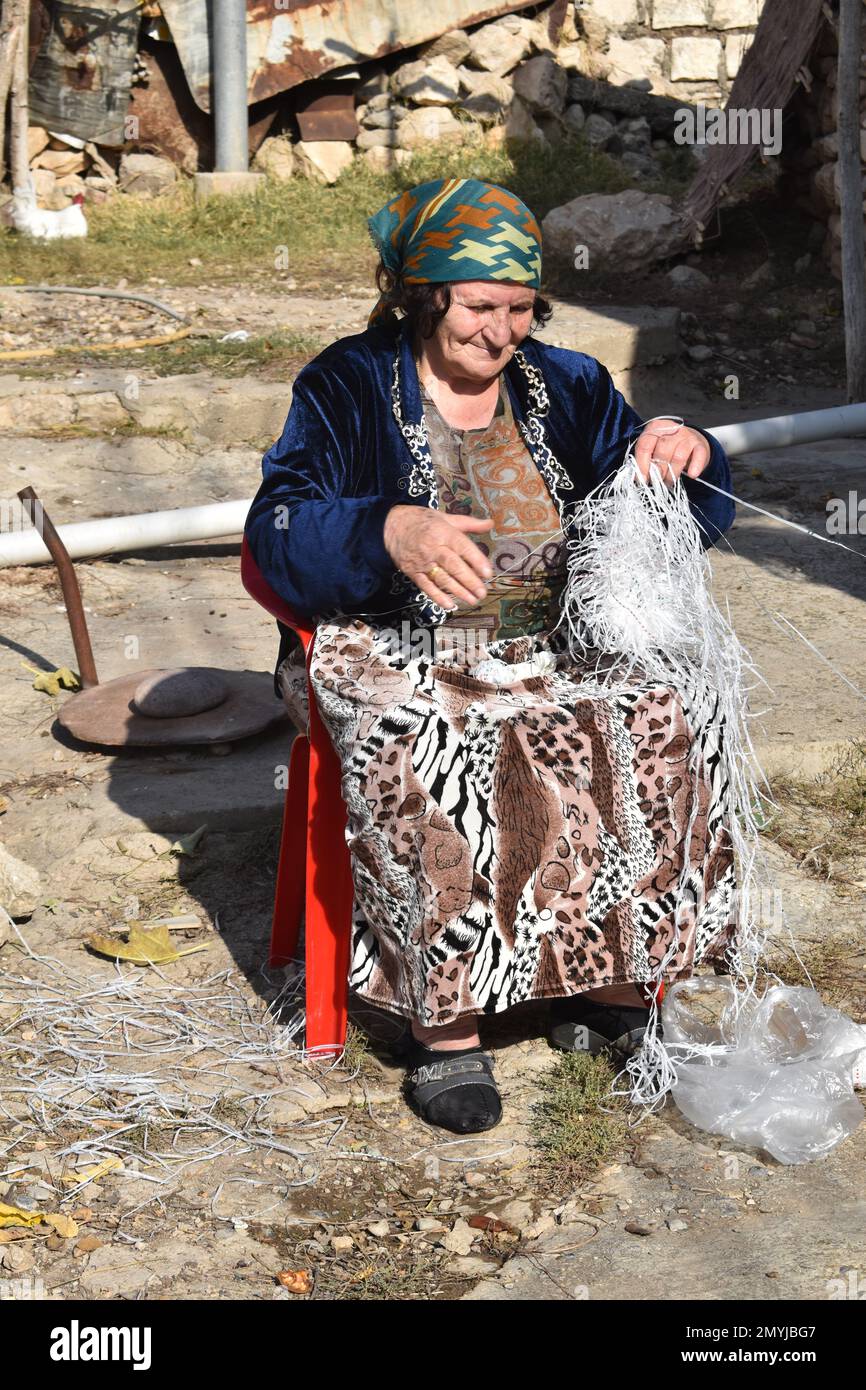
822	822
315	233
580	1126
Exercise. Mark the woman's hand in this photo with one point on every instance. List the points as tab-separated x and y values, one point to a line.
434	549
674	448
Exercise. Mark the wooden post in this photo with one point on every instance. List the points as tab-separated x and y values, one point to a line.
8	45
19	164
851	188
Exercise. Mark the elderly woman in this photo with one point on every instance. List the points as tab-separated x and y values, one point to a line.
512	835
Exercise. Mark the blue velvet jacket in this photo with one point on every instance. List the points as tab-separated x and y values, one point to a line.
355	443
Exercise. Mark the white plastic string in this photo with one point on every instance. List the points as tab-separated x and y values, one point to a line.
638	609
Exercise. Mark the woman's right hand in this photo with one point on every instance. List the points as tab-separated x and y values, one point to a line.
419	539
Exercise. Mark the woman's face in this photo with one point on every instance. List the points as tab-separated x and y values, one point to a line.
486	322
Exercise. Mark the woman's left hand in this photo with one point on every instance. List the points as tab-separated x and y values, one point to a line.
674	448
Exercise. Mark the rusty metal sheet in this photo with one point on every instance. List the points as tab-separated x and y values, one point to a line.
328	114
169	122
295	41
81	76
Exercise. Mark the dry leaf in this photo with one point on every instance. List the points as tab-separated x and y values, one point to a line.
62	1224
51	681
143	947
491	1223
295	1280
187	844
16	1216
93	1174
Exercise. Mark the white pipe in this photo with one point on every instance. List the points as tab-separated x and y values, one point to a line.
838	422
142	532
110	535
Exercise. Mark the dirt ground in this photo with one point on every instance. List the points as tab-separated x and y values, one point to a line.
166	1113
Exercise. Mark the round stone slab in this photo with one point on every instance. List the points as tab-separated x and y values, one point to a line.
107	715
176	694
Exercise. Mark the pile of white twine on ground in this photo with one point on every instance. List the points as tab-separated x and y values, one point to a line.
139	1065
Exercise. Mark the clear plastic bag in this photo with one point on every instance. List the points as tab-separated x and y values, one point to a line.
776	1072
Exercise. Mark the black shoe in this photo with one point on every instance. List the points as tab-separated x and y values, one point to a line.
581	1025
454	1090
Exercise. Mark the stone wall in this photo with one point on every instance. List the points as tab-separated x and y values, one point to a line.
514	77
686	48
811	156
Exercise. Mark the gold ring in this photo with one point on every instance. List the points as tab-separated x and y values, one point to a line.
432	572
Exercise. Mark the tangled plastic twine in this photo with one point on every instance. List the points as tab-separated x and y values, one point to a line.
638	607
163	1075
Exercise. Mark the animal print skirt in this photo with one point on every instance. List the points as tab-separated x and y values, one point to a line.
521	836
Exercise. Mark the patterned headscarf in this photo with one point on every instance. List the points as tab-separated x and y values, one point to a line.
457	229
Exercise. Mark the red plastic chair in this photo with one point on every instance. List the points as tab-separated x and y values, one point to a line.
314	870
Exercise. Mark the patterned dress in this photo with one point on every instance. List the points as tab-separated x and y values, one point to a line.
514	837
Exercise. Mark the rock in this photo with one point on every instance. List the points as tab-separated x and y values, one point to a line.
379	1229
369	139
700	352
490	98
639	125
695	59
575	117
429	1224
342	1244
639	1228
630	59
500	46
177	694
16	1258
520	124
540	1226
470	1267
685	277
542	84
382	158
61	162
455	46
20	885
676	1223
628	230
44	182
379	102
762	276
146	174
275	157
374	84
427	124
428	82
384	118
673	14
6	934
37	139
805	326
517	1213
460	1238
598	131
323	160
